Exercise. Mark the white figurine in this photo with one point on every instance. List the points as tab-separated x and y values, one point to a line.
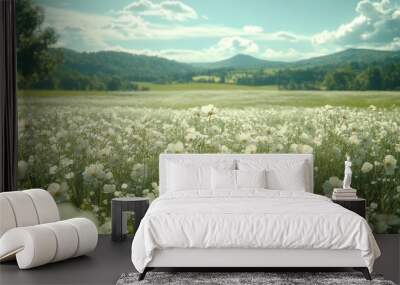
347	174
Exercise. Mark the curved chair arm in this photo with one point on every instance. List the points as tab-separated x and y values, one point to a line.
40	244
32	246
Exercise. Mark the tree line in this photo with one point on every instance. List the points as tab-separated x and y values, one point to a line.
349	77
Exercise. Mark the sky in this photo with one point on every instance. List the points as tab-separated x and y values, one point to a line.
212	30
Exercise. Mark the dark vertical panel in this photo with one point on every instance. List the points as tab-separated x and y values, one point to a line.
8	100
116	220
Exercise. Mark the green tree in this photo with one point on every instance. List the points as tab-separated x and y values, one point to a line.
338	80
391	76
115	83
375	79
370	79
34	58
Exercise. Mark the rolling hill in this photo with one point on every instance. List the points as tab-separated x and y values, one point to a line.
241	61
123	65
362	56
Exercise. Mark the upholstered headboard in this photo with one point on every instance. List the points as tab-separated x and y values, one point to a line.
210	159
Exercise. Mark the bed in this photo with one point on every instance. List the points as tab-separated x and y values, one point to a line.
239	210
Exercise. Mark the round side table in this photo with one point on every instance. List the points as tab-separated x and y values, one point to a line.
119	209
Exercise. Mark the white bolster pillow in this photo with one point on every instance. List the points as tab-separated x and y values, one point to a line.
37	245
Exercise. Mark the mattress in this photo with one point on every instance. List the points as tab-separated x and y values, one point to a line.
250	219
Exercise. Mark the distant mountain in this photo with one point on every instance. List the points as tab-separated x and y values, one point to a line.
362	56
124	65
151	68
241	61
111	70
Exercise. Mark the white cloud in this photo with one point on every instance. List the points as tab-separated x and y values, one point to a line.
165	32
224	48
290	54
253	29
182	55
170	10
80	30
237	45
148	30
395	45
286	36
91	32
377	23
135	27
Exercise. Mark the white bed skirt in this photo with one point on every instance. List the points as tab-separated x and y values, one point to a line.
189	257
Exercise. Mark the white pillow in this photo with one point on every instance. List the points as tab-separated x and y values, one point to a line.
223	179
251	178
282	174
188	177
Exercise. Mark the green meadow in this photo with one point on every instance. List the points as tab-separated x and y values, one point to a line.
181	96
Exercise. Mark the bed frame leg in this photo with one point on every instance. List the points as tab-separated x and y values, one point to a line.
364	271
143	274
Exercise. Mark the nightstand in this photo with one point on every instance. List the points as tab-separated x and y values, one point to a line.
119	209
356	205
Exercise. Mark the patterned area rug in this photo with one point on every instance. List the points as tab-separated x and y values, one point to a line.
233	278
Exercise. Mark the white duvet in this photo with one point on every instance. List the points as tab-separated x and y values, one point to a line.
250	219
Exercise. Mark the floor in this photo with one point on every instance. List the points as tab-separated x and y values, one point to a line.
111	259
103	266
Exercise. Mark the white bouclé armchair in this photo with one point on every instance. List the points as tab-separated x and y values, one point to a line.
31	231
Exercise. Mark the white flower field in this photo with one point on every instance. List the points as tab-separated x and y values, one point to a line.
84	155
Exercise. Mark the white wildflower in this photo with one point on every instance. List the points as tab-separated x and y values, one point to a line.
69	175
335	182
243	137
251	148
354	140
177	147
65	162
53	170
390	164
224	149
293	148
208	110
305	149
94	171
109	188
366	167
54	188
109	175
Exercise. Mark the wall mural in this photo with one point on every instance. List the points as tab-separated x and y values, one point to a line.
106	86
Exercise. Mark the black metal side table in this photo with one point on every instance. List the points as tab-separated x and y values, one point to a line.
119	209
357	205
